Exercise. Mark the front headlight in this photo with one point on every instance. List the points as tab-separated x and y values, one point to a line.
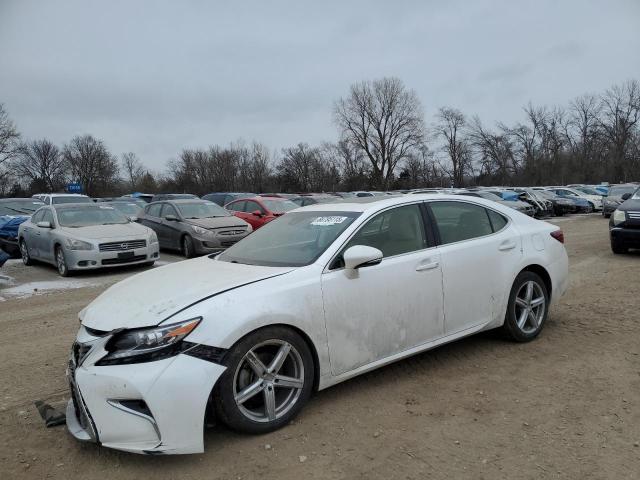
199	230
153	238
619	216
74	244
147	344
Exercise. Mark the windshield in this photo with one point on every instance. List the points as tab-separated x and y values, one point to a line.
293	240
82	216
20	207
490	196
621	190
130	209
279	206
201	210
69	199
588	191
546	194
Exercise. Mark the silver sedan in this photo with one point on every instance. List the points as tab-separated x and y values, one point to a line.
85	236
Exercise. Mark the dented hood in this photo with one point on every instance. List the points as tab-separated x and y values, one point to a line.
150	297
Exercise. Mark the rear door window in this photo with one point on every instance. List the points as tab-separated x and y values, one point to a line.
458	221
154	210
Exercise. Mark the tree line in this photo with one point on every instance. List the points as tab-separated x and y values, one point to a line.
384	143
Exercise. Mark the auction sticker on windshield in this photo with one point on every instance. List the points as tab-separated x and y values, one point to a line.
327	221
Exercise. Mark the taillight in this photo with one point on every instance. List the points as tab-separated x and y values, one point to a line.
558	235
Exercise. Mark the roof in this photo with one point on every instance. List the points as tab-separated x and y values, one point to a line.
363	204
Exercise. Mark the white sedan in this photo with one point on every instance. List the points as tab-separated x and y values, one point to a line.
320	295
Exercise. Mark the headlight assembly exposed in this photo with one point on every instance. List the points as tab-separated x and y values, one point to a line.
74	244
619	216
147	344
199	230
153	238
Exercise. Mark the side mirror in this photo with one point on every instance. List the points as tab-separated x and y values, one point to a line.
626	196
44	224
256	213
133	218
171	218
361	256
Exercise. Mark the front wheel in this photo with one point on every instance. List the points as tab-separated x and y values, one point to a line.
61	263
269	377
618	249
527	309
187	246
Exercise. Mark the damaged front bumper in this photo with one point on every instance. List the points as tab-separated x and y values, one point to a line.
155	407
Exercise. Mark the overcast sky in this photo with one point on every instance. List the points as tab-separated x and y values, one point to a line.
154	77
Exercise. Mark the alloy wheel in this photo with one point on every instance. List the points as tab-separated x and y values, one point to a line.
61	263
268	381
24	251
530	307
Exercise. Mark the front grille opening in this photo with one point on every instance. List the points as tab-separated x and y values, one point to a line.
139	406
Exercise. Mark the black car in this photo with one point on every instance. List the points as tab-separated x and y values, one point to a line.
222	198
624	224
561	205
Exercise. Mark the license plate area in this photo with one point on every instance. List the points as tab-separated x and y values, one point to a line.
128	254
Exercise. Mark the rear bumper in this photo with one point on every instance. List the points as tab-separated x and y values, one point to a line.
627	237
10	246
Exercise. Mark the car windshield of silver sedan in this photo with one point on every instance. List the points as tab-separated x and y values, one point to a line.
279	206
201	210
86	216
293	240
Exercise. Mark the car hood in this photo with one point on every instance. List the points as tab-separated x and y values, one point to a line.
150	297
631	204
107	232
217	222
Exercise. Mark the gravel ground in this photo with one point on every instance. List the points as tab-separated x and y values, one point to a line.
563	406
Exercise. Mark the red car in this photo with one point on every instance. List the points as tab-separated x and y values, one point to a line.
260	210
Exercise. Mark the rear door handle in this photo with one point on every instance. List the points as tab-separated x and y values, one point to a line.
427	266
508	245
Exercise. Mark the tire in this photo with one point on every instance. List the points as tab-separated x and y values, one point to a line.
24	252
251	414
618	249
61	263
187	249
520	324
606	215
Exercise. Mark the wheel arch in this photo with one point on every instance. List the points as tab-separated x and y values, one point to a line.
542	273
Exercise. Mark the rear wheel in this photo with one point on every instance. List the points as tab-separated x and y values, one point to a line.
24	252
528	307
187	246
61	263
269	377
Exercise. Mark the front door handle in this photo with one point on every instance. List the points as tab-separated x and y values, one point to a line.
427	266
509	245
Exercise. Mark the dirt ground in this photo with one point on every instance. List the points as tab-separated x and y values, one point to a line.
563	406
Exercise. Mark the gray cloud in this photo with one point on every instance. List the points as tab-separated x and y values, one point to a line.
154	77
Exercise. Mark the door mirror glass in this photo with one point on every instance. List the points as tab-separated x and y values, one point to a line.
626	196
171	218
361	256
133	218
44	224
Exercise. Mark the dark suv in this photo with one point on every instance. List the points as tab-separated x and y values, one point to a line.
624	224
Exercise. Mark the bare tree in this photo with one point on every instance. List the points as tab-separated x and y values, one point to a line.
42	164
450	125
9	144
620	115
384	120
90	163
495	150
133	169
